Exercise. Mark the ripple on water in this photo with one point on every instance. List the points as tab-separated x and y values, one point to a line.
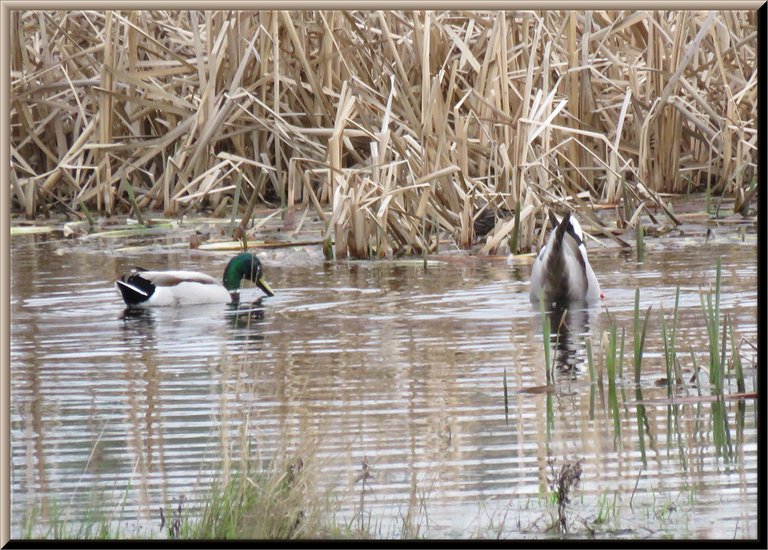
379	363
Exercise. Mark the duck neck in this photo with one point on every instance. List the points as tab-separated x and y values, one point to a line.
233	275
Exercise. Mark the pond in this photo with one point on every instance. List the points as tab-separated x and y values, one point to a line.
430	375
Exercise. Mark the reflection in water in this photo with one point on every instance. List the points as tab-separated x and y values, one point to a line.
381	364
139	319
643	426
240	315
570	326
245	315
142	323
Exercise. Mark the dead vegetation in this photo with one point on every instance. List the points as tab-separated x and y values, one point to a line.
561	483
393	126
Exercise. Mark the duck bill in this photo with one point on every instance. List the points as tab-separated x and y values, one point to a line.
263	285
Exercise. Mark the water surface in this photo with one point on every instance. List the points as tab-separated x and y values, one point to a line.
391	364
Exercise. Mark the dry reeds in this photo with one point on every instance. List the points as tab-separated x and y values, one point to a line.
392	125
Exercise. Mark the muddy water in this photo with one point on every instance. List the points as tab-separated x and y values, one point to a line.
392	365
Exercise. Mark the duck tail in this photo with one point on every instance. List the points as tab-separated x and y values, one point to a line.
562	228
135	289
555	264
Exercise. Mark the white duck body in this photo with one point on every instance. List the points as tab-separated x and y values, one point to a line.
174	288
561	271
143	288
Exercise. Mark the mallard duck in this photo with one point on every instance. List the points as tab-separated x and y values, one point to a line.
561	271
142	287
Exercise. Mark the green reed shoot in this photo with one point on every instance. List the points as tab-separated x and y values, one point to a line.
670	349
607	511
667	352
613	403
132	199
550	415
611	353
721	436
514	238
721	374
592	377
52	519
87	213
328	252
639	335
621	354
675	362
640	242
712	319
546	330
642	420
737	367
590	360
679	431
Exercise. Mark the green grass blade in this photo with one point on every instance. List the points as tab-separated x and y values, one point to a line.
132	199
737	366
545	331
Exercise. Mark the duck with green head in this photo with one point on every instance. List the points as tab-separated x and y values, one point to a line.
142	288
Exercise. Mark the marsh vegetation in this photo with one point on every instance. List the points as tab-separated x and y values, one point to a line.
392	127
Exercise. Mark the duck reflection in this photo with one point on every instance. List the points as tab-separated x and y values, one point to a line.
238	314
569	327
138	323
190	322
244	315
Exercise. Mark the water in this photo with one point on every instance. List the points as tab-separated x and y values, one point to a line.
384	363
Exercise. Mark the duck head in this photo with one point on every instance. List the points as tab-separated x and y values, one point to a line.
242	266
